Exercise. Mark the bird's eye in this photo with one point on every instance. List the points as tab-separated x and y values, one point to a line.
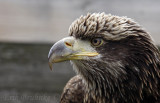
97	42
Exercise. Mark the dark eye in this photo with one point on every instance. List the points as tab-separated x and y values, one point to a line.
97	42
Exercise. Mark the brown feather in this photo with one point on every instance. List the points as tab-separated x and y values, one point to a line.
73	91
128	70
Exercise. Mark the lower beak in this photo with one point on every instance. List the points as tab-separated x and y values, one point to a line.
64	50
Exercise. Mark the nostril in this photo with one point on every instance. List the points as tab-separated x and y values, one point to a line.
68	44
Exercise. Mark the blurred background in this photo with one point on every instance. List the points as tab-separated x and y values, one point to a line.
28	28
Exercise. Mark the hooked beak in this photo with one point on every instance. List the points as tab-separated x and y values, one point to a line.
68	49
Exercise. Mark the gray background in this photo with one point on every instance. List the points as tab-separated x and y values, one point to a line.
48	20
28	28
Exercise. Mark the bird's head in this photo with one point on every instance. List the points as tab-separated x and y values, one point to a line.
106	48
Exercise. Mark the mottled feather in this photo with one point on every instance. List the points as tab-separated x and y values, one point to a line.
128	70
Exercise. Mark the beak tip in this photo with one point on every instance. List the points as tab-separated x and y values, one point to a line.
50	66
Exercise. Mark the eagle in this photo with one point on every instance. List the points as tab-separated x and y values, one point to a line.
115	59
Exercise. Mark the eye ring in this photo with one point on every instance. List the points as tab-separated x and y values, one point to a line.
96	42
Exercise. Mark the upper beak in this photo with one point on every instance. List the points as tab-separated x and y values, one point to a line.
64	50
